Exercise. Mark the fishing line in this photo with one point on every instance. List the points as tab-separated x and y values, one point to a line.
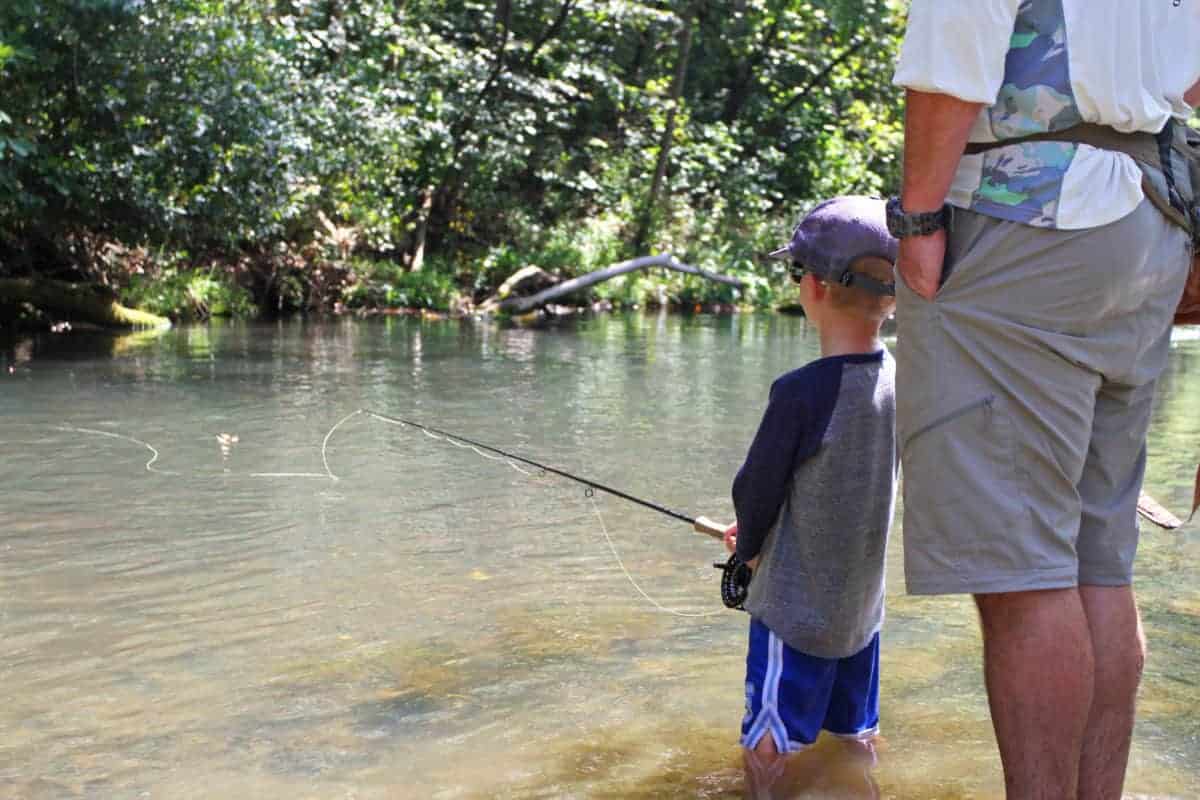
735	576
435	433
457	441
154	456
641	591
477	451
485	451
291	475
325	443
154	453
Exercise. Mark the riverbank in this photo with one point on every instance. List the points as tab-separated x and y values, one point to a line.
27	304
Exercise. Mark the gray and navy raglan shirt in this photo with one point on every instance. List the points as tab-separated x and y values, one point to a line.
814	502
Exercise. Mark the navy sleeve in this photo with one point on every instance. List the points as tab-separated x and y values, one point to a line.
798	412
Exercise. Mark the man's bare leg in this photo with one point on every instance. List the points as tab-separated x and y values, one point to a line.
1120	653
1038	667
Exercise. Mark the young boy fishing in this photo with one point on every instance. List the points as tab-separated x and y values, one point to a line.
815	496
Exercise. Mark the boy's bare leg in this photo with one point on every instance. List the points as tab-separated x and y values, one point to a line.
1038	667
764	766
1119	649
864	748
862	756
832	767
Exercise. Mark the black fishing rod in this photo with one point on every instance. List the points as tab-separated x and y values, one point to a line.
699	524
735	576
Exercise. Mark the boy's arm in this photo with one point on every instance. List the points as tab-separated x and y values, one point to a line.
762	484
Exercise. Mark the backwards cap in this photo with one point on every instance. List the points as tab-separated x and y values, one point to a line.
838	232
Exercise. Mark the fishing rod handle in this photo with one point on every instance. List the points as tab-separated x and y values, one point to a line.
708	527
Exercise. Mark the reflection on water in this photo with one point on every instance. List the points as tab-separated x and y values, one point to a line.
236	622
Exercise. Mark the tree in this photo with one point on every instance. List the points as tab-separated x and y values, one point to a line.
140	140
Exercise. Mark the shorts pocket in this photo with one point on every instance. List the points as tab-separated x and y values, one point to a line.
949	274
962	501
904	292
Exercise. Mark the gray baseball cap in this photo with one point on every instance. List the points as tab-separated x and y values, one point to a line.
835	234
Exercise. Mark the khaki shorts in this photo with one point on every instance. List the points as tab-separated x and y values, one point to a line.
1024	392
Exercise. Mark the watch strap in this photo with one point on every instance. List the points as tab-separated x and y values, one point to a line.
903	224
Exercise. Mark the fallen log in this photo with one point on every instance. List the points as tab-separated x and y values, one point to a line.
1155	512
77	303
519	305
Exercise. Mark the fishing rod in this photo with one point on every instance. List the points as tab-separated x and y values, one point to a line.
699	524
736	574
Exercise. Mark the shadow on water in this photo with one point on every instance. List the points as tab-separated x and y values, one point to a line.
534	637
694	761
400	681
390	689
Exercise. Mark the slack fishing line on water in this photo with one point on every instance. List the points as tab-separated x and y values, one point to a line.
735	574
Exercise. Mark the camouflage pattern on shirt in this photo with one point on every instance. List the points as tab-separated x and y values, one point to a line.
1022	182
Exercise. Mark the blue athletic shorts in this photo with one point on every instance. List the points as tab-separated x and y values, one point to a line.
793	696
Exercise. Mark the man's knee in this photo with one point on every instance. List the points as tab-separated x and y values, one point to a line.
1001	612
1116	627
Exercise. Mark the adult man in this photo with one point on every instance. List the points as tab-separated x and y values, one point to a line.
1030	338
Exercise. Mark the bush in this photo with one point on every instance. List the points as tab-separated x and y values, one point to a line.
387	285
188	294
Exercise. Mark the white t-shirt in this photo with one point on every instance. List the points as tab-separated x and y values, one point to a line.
1045	65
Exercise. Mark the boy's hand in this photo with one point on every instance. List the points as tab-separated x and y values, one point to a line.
731	545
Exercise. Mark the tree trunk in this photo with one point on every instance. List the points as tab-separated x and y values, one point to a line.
664	148
742	81
418	257
78	302
519	305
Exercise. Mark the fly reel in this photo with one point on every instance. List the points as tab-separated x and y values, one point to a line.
735	581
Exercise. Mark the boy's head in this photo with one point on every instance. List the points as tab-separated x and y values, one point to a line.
844	249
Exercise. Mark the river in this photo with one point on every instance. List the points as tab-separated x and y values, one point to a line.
219	580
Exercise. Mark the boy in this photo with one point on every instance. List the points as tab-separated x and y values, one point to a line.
815	496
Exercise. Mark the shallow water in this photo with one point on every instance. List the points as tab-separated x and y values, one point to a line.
204	592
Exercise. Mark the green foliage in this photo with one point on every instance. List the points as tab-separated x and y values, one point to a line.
379	285
188	294
484	136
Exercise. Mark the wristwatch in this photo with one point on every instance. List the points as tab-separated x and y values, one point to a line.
902	224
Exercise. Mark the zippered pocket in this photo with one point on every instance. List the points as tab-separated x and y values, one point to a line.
983	402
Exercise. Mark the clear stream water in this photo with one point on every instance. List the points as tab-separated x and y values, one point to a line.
192	607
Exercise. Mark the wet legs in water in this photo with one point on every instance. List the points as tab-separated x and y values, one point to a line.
833	767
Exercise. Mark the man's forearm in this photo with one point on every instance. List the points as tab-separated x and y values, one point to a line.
1192	96
935	132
